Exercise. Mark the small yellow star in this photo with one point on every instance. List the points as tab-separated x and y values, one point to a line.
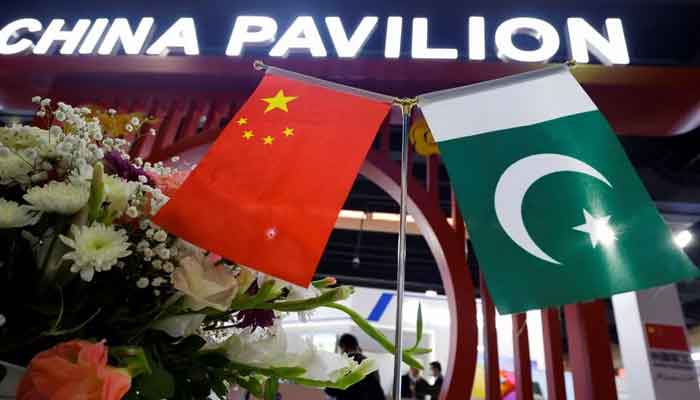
288	132
247	134
279	101
242	121
268	139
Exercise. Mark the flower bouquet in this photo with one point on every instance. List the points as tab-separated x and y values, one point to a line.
100	303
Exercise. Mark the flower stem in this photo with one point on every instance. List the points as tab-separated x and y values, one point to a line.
271	385
375	334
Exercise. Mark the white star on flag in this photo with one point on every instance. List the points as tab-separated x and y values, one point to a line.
597	228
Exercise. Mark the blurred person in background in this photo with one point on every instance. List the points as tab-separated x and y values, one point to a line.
434	389
413	386
368	388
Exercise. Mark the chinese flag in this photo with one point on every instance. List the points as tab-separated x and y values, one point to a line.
268	192
667	337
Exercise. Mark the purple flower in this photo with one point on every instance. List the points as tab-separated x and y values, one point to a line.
254	319
115	164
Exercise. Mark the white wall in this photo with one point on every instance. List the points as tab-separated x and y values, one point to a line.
326	324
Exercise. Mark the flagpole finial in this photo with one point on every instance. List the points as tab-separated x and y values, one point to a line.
406	104
259	65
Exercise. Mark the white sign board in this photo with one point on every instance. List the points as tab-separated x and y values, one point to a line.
654	345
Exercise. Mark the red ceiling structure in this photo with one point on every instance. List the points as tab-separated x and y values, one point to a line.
637	100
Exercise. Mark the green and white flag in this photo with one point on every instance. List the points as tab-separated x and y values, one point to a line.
554	208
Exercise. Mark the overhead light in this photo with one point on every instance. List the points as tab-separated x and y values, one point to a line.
431	293
382	216
683	239
352	214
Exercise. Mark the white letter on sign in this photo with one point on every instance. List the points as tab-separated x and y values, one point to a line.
120	34
392	46
477	38
54	33
301	35
348	48
538	29
266	29
93	36
182	34
583	38
419	44
12	31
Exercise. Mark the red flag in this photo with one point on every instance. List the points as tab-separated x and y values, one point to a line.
268	192
667	337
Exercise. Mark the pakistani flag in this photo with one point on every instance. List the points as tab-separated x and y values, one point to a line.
555	210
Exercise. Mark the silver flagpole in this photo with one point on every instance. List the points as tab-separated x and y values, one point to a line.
406	107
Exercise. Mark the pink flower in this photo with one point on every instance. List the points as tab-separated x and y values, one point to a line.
73	370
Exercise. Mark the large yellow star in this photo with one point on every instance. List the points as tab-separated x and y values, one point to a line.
288	132
279	101
268	139
247	134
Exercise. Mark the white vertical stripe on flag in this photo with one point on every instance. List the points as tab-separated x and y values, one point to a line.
510	102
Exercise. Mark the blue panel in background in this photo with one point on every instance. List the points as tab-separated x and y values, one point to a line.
380	307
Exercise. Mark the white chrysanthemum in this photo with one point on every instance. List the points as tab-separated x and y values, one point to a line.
59	197
14	169
13	215
23	137
95	248
118	191
82	174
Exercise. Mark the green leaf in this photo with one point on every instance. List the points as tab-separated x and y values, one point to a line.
271	385
264	294
366	367
326	297
281	372
420	350
97	192
133	358
375	334
419	327
158	385
251	384
190	344
324	283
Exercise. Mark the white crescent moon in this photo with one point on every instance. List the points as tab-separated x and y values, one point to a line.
517	180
